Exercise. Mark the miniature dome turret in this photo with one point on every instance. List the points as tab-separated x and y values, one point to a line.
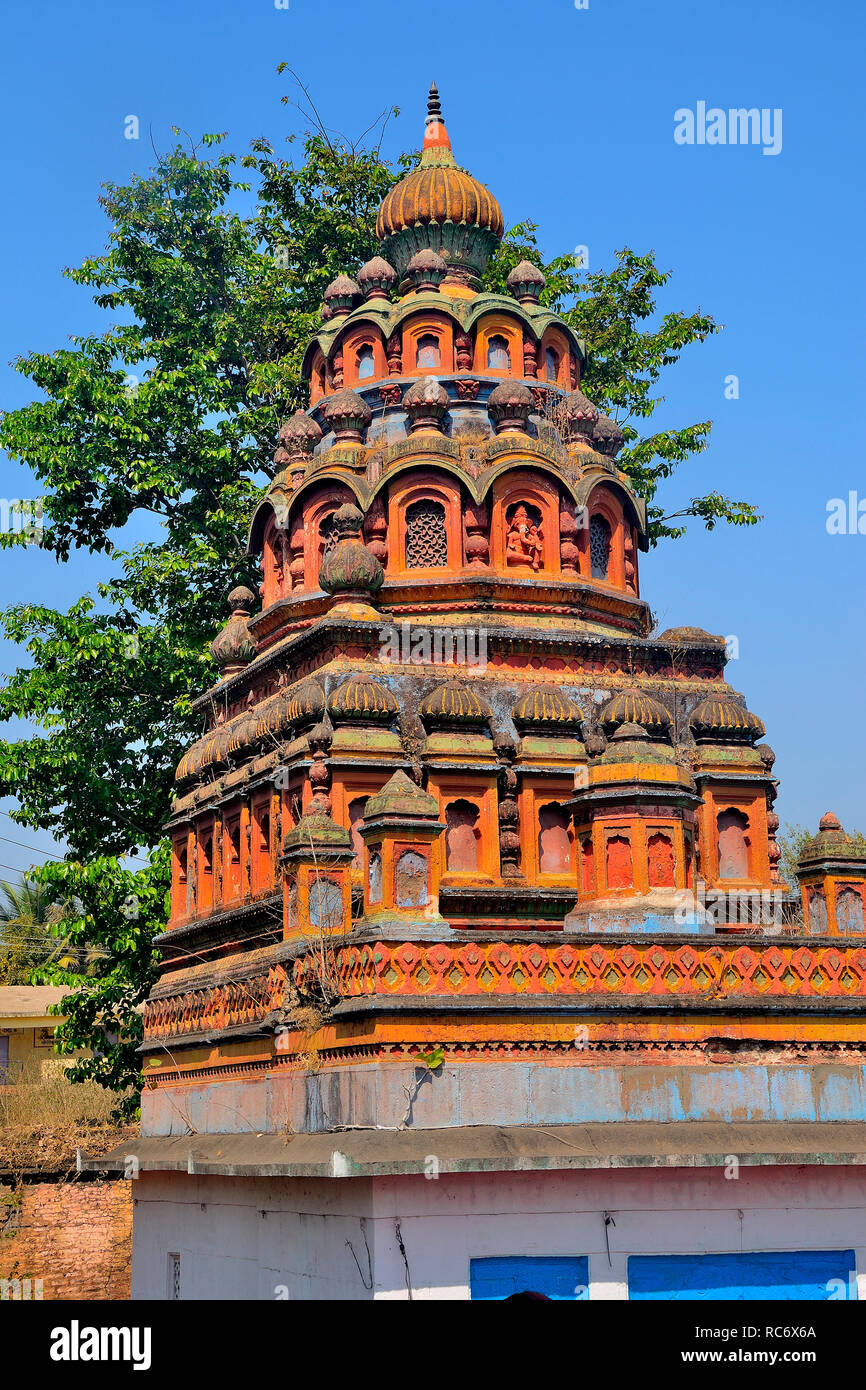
689	634
298	438
425	403
234	648
632	743
607	436
510	405
634	707
831	846
362	700
525	282
341	295
426	270
579	417
401	799
347	414
717	720
376	278
453	703
350	568
547	709
316	831
305	704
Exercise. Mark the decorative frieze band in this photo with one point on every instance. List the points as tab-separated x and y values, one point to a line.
712	970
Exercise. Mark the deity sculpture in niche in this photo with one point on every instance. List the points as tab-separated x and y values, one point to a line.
523	536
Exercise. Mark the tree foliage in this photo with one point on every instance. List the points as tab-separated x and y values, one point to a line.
168	420
30	933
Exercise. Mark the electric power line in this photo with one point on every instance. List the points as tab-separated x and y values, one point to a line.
59	857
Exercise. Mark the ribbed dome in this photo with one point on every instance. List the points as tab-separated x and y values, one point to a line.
300	435
441	206
242	733
633	707
305	703
375	278
272	716
186	768
725	721
363	699
546	706
439	191
454	703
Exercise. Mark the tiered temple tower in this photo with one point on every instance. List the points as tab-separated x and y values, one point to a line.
455	857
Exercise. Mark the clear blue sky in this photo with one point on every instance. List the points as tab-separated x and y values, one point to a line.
568	115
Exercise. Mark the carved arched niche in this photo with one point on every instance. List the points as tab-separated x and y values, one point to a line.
462	837
555	840
525	524
607	541
849	910
734	842
364	357
273	564
424	525
428	344
499	346
554	359
318	377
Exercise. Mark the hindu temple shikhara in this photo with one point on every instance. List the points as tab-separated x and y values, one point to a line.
438	984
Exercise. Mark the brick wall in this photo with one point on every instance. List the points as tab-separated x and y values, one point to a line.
75	1236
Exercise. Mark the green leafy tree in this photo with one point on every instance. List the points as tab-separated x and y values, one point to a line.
35	935
27	943
171	415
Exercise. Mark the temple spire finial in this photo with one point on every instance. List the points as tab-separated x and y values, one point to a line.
435	134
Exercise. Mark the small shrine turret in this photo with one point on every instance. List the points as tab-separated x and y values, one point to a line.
400	826
634	814
317	856
831	870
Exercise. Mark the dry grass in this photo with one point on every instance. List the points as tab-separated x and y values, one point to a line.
44	1118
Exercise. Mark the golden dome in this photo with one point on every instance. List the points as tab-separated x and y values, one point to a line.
442	207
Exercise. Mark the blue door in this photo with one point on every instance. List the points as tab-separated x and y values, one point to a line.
817	1275
561	1277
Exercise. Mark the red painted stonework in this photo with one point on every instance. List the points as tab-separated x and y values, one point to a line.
620	873
660	857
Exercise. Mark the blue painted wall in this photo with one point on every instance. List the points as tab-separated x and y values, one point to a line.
560	1277
786	1274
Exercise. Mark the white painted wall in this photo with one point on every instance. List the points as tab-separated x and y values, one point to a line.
298	1247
